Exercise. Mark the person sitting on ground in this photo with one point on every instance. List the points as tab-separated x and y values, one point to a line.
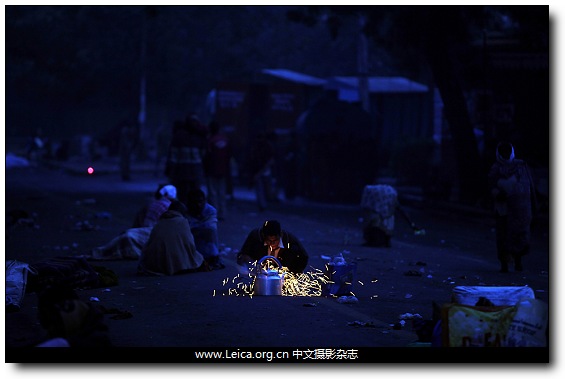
150	213
380	205
270	239
203	220
128	244
171	249
70	321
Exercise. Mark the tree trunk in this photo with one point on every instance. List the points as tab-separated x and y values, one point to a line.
439	51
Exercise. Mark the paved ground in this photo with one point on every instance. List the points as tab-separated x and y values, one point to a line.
197	310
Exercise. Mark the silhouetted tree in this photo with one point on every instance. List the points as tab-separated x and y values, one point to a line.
441	38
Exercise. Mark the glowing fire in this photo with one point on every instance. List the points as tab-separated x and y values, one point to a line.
294	284
308	284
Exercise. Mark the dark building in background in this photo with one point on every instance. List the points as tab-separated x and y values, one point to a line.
339	147
509	100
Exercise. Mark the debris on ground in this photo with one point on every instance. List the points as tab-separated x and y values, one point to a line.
118	314
347	300
85	226
398	325
363	324
409	316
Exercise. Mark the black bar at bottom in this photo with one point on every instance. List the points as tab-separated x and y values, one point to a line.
296	355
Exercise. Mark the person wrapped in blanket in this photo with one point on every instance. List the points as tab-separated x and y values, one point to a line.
203	220
128	244
70	321
171	249
380	204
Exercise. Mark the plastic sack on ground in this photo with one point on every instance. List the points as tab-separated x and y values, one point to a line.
497	295
74	272
470	326
529	326
522	325
339	275
16	281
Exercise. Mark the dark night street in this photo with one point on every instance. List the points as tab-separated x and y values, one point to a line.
343	123
196	310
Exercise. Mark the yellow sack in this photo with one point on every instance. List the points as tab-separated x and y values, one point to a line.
472	326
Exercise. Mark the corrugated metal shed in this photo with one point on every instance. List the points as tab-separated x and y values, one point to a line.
347	86
294	76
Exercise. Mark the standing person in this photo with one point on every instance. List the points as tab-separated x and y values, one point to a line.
217	168
184	158
36	147
270	239
128	141
261	161
274	183
198	144
289	168
513	190
163	139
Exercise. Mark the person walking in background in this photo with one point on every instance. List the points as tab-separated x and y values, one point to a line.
289	178
198	143
274	183
512	187
217	168
184	158
128	142
261	161
163	139
36	146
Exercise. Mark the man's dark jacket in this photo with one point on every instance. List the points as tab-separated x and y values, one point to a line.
293	255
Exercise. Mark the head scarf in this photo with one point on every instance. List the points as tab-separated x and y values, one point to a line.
169	191
500	158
